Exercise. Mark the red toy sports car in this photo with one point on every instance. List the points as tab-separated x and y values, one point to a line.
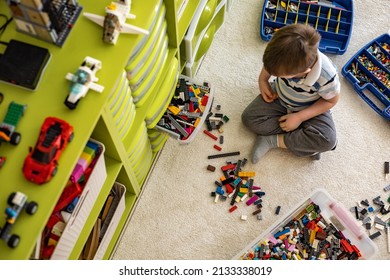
41	163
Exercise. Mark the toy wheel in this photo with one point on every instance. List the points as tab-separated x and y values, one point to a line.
13	241
71	105
54	172
71	137
31	207
11	198
15	138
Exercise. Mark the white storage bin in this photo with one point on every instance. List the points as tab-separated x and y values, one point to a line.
199	127
83	208
116	215
332	212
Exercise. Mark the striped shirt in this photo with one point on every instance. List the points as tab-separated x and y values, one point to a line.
321	82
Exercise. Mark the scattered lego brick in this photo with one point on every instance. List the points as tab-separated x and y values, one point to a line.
211	168
215	121
375	235
224	155
217	147
210	134
374	215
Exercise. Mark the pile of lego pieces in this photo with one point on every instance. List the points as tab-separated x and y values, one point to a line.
185	109
237	186
374	216
307	236
215	121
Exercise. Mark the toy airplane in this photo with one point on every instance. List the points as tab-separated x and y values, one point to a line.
82	81
114	22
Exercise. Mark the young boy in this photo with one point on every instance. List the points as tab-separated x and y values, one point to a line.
293	111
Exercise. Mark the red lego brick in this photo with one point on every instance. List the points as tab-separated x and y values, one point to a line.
217	147
210	134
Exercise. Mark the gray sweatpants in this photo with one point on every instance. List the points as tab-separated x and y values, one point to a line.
312	136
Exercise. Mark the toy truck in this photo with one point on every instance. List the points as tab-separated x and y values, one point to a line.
8	126
17	201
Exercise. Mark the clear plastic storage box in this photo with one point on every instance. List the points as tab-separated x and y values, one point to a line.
318	228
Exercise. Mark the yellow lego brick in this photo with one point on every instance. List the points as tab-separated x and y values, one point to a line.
87	157
52	242
196	91
246	174
312	236
243	190
197	122
175	110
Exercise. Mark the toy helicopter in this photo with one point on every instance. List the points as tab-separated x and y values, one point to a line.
83	80
114	22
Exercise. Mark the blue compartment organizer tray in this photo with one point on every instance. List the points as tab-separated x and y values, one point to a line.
369	73
332	19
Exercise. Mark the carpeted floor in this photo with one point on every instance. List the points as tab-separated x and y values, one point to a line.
176	218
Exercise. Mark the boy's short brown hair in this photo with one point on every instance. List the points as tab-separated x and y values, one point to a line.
292	50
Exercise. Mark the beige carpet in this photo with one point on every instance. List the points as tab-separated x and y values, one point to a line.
177	219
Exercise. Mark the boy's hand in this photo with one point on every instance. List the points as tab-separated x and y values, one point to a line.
267	93
290	122
265	88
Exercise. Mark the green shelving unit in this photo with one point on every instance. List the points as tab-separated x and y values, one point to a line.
91	119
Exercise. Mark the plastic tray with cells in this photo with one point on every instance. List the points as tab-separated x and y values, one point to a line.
369	73
332	19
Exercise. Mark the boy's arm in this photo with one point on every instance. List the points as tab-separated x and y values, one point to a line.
291	121
318	108
265	88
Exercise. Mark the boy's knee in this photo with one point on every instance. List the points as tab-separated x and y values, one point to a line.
325	139
245	118
330	143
